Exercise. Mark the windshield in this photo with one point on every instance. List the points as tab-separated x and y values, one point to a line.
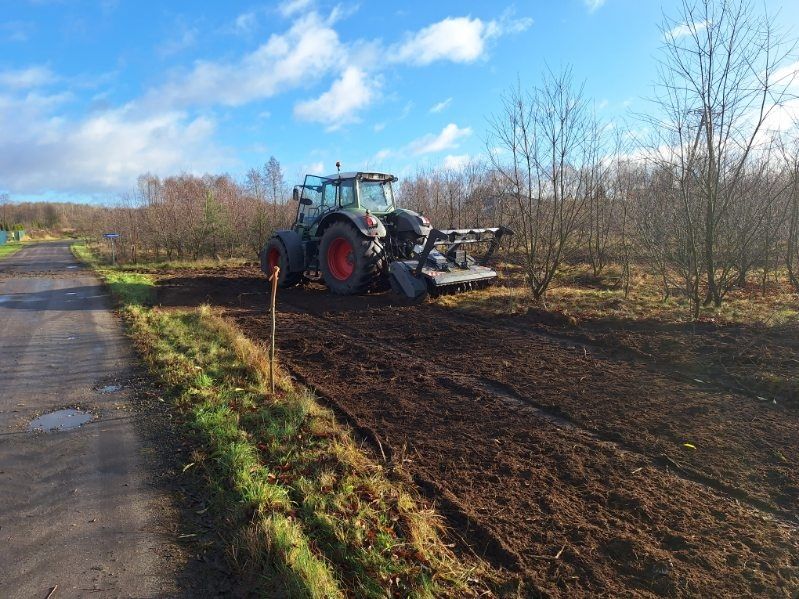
376	195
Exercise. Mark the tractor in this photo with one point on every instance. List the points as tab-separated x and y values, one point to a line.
349	234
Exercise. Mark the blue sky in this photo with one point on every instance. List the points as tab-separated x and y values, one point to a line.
94	93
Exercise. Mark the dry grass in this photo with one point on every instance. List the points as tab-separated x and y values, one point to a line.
577	294
101	253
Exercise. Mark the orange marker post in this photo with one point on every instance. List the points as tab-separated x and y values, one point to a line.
273	279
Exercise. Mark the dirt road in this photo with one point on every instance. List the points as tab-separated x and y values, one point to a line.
76	508
573	472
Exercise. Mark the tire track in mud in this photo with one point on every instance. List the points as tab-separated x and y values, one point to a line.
465	384
741	445
643	540
513	393
569	339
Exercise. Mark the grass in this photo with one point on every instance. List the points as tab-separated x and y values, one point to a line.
300	501
576	293
130	288
10	248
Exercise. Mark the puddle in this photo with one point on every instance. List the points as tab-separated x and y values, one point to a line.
60	420
72	267
110	389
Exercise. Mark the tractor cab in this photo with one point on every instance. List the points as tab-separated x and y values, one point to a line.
354	191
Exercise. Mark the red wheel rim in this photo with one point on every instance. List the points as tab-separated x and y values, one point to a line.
340	259
273	259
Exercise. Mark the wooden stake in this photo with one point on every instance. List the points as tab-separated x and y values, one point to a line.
274	279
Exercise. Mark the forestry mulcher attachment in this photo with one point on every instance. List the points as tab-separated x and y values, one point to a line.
349	233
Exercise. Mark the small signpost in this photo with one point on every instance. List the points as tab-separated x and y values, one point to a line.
112	237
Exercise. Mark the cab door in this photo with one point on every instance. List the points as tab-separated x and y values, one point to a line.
311	205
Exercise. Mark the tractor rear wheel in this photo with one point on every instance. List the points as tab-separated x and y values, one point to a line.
275	254
350	262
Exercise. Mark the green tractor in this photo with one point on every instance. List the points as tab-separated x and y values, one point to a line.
349	234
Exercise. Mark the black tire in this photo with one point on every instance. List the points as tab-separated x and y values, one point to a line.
274	253
364	264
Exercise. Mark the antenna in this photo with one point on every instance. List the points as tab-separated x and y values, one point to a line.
338	186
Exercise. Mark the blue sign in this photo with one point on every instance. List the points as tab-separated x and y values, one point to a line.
111	235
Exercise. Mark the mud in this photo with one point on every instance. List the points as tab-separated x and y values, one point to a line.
574	470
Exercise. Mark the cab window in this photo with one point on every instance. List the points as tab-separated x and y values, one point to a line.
347	193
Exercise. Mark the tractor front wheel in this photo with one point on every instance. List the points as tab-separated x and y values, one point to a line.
350	262
275	254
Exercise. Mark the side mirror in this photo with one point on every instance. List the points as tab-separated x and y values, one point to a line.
295	194
306	201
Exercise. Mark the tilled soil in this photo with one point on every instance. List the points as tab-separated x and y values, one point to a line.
572	472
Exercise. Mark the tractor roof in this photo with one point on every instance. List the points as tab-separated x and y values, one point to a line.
361	175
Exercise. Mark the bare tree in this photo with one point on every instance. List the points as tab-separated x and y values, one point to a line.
720	80
544	147
790	153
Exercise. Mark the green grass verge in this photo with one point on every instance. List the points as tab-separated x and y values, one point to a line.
8	249
301	502
129	288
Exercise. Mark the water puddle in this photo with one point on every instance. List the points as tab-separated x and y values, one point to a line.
60	420
110	389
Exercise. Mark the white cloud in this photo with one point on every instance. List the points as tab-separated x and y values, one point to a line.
783	117
594	5
339	105
307	51
787	76
456	162
291	7
447	139
456	39
383	155
103	152
16	31
245	22
685	29
26	78
443	105
315	168
186	39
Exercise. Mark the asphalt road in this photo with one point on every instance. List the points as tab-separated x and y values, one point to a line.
76	507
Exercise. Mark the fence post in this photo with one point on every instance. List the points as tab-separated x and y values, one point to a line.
273	278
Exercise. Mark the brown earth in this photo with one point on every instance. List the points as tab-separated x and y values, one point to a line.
575	467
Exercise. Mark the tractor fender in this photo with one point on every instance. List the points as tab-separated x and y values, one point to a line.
409	221
357	219
293	244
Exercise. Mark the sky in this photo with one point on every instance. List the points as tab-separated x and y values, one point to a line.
95	93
